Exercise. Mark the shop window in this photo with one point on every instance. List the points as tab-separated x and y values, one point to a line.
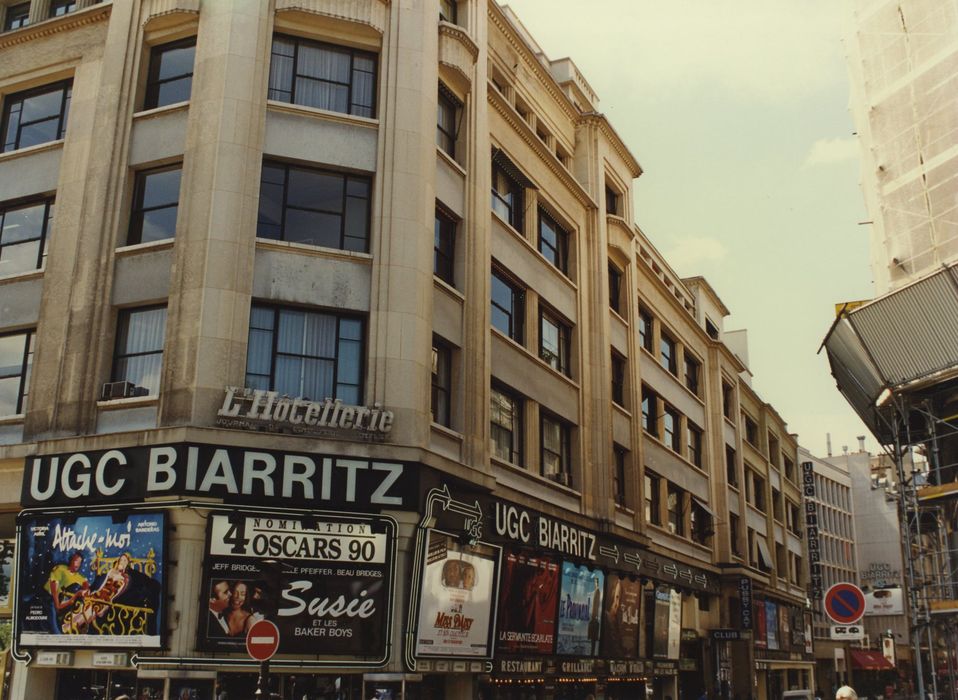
508	306
554	341
506	422
553	242
138	358
305	354
620	456
17	16
618	379
314	207
156	197
441	382
325	76
36	116
24	234
170	76
447	121
556	453
16	362
444	247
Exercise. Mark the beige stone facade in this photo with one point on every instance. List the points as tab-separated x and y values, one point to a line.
537	354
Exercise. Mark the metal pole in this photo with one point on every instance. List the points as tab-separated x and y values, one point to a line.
262	683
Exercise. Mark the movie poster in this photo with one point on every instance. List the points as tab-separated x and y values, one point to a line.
784	629
326	582
771	625
580	610
7	552
620	628
456	602
761	626
92	581
528	600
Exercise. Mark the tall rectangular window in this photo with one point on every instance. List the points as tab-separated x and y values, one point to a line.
731	474
138	357
700	522
305	353
314	74
507	197
675	507
447	113
508	306
788	466
556	453
315	207
554	342
733	527
618	379
36	116
170	77
24	232
645	329
156	198
695	439
728	398
441	382
751	429
58	8
649	411
653	511
553	242
758	492
670	429
444	247
17	16
505	417
619	456
448	10
615	288
611	201
667	355
692	369
16	361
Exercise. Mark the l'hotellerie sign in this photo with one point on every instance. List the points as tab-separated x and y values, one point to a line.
270	411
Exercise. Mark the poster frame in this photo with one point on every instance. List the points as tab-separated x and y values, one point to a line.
7	610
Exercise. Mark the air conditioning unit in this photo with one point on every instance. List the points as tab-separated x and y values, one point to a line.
117	390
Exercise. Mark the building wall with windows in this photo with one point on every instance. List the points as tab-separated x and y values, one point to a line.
378	264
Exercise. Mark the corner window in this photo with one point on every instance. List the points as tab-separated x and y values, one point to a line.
615	288
619	457
618	379
645	329
314	207
24	232
305	353
156	197
553	243
667	356
447	121
692	369
171	73
508	306
444	247
324	76
16	361
139	348
554	345
653	511
58	8
36	116
556	449
507	197
441	382
17	16
505	418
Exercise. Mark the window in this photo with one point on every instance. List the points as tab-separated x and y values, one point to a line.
619	457
653	510
448	10
58	8
733	534
447	112
796	569
139	347
728	396
156	197
758	492
556	457
792	517
615	288
444	247
505	415
773	449
16	361
618	379
789	468
777	511
507	197
711	329
441	382
645	329
305	353
751	429
692	368
649	411
312	206
611	201
17	16
700	519
508	307
36	116
694	444
24	231
171	73
730	472
667	356
781	561
675	507
324	76
553	242
670	428
554	345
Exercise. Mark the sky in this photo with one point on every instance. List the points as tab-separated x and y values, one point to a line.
737	111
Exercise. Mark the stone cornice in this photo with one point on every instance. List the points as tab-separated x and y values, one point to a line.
546	156
49	27
462	36
373	14
600	121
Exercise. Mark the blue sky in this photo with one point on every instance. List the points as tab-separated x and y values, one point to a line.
737	111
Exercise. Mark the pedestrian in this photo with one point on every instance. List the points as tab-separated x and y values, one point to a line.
846	692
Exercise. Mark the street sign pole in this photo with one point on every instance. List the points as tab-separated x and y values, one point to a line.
262	641
262	683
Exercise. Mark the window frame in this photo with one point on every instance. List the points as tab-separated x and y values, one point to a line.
695	442
668	353
652	495
611	201
515	430
154	82
441	382
619	456
672	438
646	321
123	319
9	101
453	6
693	369
49	204
616	276
516	312
22	19
650	418
444	246
750	429
67	6
25	370
731	471
618	367
560	361
558	254
511	200
451	106
675	516
564	455
134	234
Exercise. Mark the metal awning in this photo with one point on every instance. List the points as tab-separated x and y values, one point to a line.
763	552
500	158
701	504
866	660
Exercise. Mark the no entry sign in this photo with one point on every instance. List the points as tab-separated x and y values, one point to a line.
262	640
845	603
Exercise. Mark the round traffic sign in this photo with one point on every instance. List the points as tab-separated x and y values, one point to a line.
845	603
262	640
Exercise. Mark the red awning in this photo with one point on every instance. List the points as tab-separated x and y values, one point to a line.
865	660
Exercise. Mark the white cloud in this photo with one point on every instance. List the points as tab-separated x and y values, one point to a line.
690	253
828	151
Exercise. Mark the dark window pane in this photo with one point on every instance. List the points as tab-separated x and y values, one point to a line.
314	189
22	223
39	132
174	91
158	224
161	188
41	106
176	62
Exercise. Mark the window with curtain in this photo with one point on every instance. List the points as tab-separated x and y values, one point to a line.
156	199
325	76
306	354
36	116
24	233
170	77
16	361
139	347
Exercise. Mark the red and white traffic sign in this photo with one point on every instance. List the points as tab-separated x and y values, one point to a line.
262	640
845	603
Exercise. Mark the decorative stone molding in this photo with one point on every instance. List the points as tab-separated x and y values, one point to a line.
159	8
458	52
600	122
372	13
48	27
